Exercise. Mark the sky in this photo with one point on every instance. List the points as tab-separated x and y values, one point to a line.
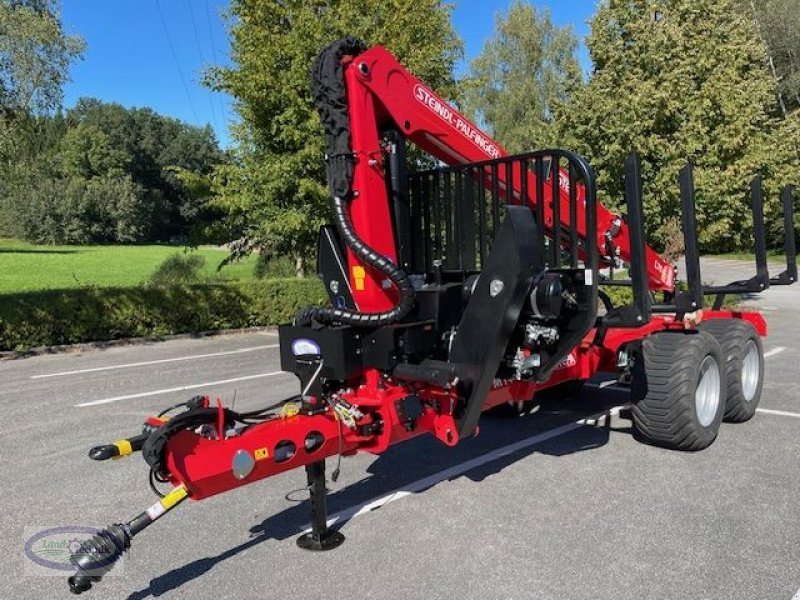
153	52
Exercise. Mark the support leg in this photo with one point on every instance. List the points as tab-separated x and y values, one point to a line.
320	537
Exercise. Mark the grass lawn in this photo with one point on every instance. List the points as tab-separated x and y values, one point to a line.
27	267
773	256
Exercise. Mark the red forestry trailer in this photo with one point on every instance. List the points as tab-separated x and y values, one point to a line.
454	291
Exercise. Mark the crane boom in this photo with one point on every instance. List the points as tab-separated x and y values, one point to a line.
383	93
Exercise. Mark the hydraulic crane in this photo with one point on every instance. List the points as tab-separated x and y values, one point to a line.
453	291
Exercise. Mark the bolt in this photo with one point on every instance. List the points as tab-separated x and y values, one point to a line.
496	288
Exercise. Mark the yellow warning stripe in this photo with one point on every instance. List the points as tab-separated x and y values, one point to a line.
175	496
123	447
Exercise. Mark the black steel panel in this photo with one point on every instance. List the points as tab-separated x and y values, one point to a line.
789	276
491	316
339	348
332	268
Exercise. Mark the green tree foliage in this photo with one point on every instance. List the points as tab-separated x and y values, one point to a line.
682	80
779	26
34	56
100	172
86	151
105	173
78	211
522	74
273	194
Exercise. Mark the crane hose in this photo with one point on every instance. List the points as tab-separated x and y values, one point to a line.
330	99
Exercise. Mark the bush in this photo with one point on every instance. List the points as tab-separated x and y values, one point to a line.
56	317
178	268
279	266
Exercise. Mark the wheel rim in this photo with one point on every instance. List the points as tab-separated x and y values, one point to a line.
707	394
751	371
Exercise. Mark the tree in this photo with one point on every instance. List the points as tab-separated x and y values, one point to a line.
682	80
108	174
779	25
34	56
87	152
274	193
523	72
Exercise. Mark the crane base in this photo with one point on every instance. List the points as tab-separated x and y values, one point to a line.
319	543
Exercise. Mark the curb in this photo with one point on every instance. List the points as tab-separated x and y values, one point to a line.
84	346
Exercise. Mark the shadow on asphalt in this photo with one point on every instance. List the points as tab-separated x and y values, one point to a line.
418	458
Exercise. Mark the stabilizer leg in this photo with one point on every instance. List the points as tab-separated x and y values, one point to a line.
320	537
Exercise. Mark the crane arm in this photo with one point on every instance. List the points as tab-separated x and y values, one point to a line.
383	93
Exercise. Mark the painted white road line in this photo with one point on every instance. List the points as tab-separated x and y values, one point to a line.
797	595
774	351
454	471
155	362
780	413
182	388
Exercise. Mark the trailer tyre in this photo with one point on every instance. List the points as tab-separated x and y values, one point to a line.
678	390
743	359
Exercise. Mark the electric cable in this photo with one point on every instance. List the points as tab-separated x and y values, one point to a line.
175	58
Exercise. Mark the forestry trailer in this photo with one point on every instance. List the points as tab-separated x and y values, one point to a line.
453	291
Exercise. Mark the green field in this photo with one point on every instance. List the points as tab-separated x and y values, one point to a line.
28	267
773	256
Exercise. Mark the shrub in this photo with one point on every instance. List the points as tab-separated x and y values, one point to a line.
55	317
178	268
278	266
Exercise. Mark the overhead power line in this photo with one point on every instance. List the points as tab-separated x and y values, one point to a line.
177	62
202	60
215	58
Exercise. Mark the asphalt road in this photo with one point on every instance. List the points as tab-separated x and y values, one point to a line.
545	509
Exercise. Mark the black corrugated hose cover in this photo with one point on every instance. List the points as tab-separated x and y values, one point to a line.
330	97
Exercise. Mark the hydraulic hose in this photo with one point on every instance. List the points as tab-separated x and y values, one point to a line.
330	98
371	258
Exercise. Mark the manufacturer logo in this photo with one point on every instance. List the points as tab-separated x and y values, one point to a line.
666	271
302	346
446	113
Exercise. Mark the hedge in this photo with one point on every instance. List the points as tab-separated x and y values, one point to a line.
54	317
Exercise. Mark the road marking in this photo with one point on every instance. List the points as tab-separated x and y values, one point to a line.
797	595
155	362
454	471
182	388
774	351
780	413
